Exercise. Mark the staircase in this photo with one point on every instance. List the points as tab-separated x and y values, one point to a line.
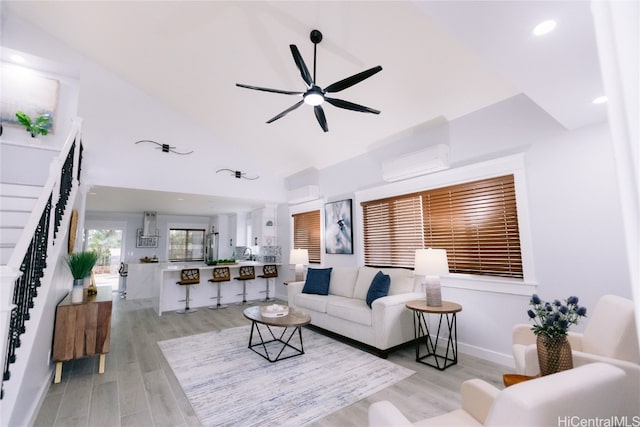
33	226
16	204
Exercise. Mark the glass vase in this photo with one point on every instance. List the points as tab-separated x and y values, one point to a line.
554	354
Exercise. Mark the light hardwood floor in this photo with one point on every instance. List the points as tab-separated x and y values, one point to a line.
138	387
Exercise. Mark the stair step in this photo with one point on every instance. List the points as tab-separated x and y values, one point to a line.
17	203
14	218
10	235
20	190
5	253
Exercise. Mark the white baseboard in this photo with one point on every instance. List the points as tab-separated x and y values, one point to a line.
483	353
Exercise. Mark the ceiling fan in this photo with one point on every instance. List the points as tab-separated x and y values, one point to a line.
315	95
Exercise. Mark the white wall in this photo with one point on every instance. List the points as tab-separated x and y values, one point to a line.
571	200
117	114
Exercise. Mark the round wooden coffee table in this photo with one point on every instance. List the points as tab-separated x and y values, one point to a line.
270	341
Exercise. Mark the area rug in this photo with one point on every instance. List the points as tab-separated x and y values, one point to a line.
229	384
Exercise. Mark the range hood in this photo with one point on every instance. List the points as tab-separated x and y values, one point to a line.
149	225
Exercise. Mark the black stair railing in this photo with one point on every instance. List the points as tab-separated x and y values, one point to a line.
35	260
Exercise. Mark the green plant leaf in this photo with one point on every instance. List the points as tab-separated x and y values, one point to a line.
81	263
23	119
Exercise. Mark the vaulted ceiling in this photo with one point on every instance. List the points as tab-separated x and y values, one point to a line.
440	60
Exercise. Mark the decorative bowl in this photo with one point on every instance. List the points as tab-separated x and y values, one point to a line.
274	310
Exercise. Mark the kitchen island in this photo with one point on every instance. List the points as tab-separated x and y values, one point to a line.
168	295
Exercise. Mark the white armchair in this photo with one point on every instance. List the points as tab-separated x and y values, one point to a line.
610	336
586	392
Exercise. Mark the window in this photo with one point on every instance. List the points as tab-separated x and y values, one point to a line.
475	222
186	244
306	234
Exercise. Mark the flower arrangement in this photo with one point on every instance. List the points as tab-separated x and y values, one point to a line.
553	319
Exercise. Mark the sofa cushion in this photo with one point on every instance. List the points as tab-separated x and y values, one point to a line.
402	280
350	309
311	302
363	282
343	280
379	287
317	281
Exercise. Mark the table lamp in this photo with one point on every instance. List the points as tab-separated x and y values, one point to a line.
431	263
299	257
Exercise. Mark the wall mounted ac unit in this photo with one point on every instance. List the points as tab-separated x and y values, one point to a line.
149	225
429	160
303	194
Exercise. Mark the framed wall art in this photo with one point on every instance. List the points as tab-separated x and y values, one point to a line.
146	241
338	237
27	91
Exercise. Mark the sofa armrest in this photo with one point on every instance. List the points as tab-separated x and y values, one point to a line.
575	340
392	321
398	299
385	414
477	397
522	334
294	288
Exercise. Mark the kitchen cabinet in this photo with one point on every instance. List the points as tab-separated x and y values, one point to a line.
238	229
82	329
140	280
264	227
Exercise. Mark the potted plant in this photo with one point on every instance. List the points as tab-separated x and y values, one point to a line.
551	325
39	126
80	265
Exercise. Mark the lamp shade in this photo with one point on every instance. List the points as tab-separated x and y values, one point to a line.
431	262
299	256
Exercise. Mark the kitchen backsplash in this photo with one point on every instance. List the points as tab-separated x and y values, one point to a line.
263	253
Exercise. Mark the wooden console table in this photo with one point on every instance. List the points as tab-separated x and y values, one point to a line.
82	329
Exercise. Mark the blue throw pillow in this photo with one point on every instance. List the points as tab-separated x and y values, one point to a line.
379	287
317	281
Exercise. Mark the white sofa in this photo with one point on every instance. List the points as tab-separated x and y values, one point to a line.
569	398
344	311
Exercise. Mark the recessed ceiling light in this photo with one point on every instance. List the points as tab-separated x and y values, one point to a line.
600	100
180	198
544	27
17	58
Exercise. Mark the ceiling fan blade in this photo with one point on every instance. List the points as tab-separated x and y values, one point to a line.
304	71
350	81
321	118
287	111
340	103
266	89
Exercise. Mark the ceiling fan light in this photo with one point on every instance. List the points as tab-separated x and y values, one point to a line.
313	98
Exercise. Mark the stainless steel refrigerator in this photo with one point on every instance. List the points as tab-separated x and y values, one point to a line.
211	242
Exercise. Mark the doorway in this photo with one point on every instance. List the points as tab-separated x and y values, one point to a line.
107	243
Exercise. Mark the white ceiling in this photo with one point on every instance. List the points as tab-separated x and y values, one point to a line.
439	59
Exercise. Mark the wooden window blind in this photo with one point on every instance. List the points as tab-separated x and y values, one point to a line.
392	231
306	234
476	222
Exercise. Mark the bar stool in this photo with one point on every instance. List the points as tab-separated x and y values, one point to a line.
269	271
220	274
247	272
188	277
